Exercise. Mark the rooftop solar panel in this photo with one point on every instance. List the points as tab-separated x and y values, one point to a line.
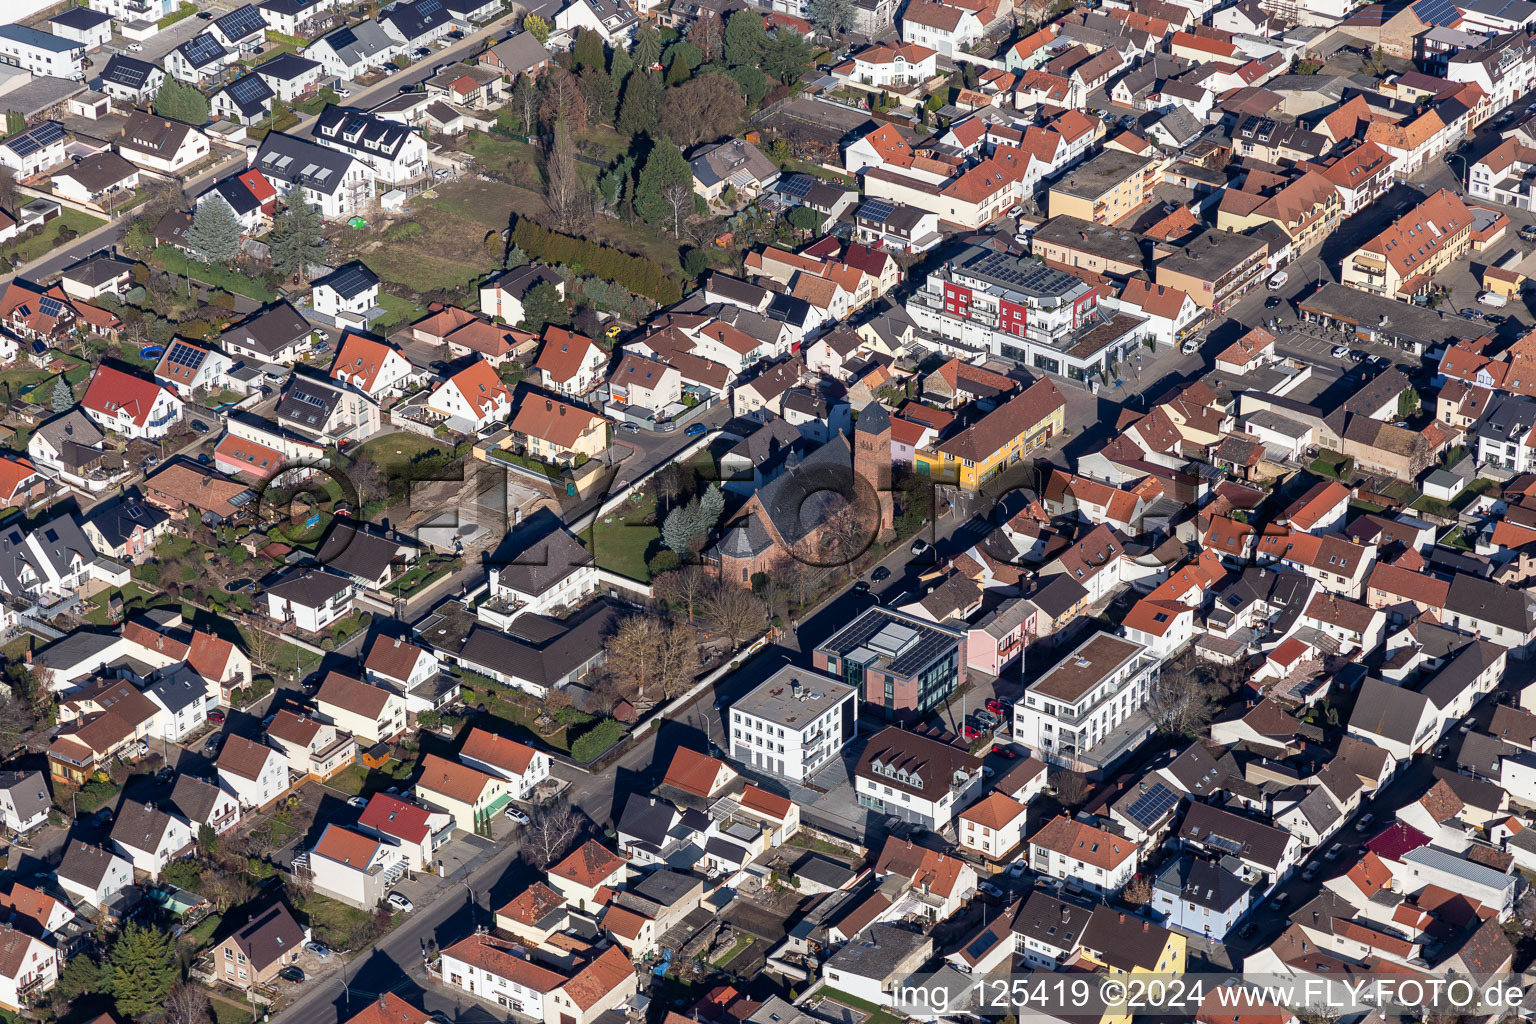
1148	808
202	49
796	185
49	306
875	210
240	22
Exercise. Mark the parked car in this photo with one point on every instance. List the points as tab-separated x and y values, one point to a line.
291	973
987	771
1016	869
205	15
216	716
1310	872
1277	280
513	814
1364	823
1334	851
1528	233
319	949
696	430
1339	352
990	889
1272	302
400	902
1006	753
341	92
136	47
970	732
357	802
861	587
212	746
629	428
994	705
880	573
919	546
1190	347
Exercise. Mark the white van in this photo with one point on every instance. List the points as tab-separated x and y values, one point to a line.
1277	280
1494	299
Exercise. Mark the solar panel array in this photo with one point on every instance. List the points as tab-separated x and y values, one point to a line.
49	306
37	138
1149	808
798	185
240	22
351	280
249	91
1224	844
1032	277
127	71
202	49
182	354
874	209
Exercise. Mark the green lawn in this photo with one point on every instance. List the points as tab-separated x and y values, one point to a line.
47	240
1330	463
622	541
100	613
286	656
398	311
202	933
519	719
394	453
877	1015
1449	510
497	151
318	102
220	276
333	922
224	1013
741	943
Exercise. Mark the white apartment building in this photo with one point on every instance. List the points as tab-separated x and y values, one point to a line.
794	723
1067	713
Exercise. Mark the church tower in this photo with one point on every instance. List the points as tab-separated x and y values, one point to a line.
872	458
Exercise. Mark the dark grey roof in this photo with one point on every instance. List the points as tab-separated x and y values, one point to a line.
117	518
878	952
179	687
296	161
286	67
310	588
202	50
357	550
665	888
292	8
73	426
139	826
80	18
1057	594
539	554
270	330
1492	602
412	19
1231	833
85	864
195	799
358	130
239	23
29	792
901	644
129	72
1457	674
647	819
520	53
235	192
97	270
1386	710
99	172
350	279
550	658
307	403
269	936
357	42
1051	921
250	94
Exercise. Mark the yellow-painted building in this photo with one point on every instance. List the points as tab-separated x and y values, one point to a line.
1124	944
998	440
1106	188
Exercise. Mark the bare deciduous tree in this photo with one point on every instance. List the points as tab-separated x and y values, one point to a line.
679	196
1137	892
187	1003
526	96
550	833
1179	701
563	187
652	657
1071	787
736	612
687	586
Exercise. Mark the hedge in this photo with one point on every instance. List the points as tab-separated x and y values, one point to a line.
596	740
636	273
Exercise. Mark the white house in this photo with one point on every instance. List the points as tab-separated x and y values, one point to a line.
915	778
290	76
371	713
183	699
130	81
1160	626
24	801
151	837
91	29
553	570
472	398
376	368
942	27
993	826
404	667
204	803
611	19
521	765
199	60
793	724
417	831
334	182
396	153
882	66
130	405
256	773
42	53
348	295
310	599
353	50
288	16
39	148
29	966
502	296
569	363
1070	712
356	868
91	875
160	144
1076	851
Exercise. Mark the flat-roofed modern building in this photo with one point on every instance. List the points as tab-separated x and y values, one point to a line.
794	723
902	665
1086	712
